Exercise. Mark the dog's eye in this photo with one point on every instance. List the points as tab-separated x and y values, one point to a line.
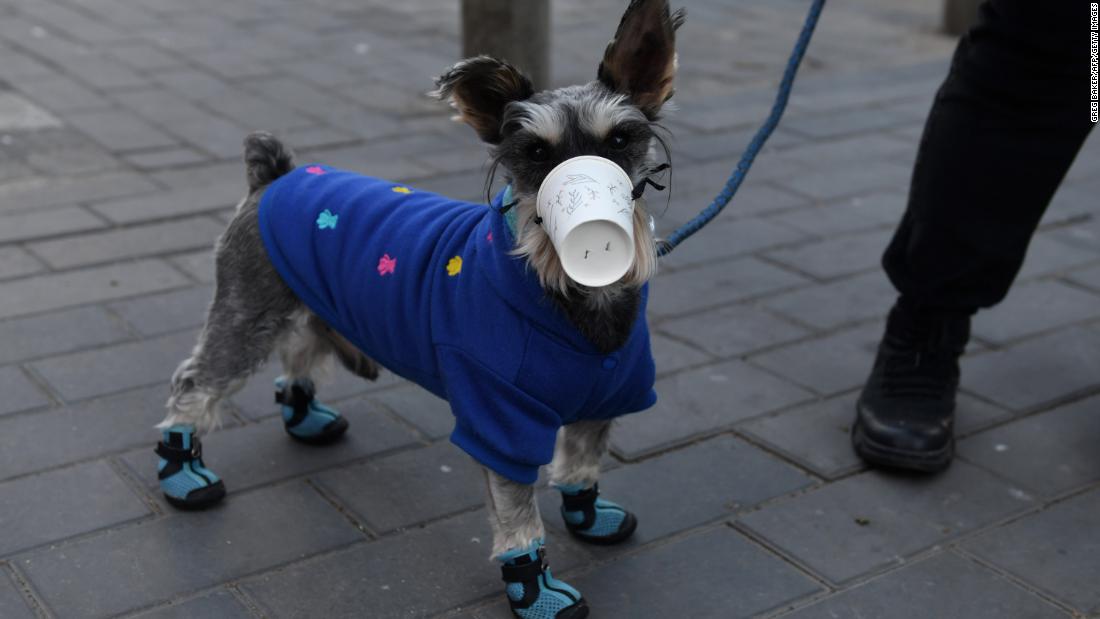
617	141
538	152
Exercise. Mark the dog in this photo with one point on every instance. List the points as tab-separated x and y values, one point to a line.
468	301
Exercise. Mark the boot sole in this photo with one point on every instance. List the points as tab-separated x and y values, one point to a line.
892	457
199	499
626	529
330	434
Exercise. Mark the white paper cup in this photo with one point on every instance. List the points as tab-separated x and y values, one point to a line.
586	207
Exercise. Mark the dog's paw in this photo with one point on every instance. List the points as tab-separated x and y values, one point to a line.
184	479
533	592
592	519
305	418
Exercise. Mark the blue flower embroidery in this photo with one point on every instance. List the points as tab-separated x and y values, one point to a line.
327	220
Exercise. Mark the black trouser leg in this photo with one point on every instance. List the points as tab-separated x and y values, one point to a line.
1003	130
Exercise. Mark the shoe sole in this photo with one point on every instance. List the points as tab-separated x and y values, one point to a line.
579	610
892	457
630	523
199	499
330	434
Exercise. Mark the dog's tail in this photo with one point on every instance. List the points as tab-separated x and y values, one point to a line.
265	159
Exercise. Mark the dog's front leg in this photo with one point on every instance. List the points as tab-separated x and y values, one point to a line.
518	543
575	471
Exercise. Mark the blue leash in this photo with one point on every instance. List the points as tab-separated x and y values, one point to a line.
762	135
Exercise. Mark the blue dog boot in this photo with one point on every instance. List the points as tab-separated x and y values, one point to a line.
185	481
592	519
533	593
304	418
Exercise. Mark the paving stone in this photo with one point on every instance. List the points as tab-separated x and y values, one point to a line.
1060	558
699	402
216	136
901	516
37	193
725	238
15	262
170	311
116	368
733	330
167	158
700	569
1034	307
827	365
46	222
80	432
64	152
847	122
944	585
220	604
429	414
723	475
132	242
857	149
53	506
261	453
142	56
410	487
830	184
835	257
729	281
86	579
1089	277
57	332
256	400
817	435
12	604
1049	453
832	305
19	114
1049	254
119	131
62	94
201	198
199	265
873	211
1037	371
77	287
392	578
671	355
20	393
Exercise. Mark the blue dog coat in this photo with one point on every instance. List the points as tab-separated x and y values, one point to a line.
426	286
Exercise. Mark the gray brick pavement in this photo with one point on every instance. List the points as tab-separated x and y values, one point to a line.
120	135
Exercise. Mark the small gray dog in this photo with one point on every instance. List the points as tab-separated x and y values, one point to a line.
469	301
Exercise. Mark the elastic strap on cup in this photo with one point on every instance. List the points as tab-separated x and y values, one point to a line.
639	189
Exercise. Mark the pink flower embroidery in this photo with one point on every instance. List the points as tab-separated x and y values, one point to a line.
489	237
386	265
315	169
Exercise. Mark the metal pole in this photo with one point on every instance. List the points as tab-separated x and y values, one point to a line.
514	30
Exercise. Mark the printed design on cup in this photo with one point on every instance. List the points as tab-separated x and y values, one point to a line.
386	265
327	219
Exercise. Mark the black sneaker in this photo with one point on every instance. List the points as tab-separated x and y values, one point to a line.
905	417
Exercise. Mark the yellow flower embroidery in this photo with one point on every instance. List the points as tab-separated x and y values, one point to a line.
454	266
400	189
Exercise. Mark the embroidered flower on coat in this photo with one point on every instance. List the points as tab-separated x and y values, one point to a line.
454	266
315	169
400	189
327	219
386	265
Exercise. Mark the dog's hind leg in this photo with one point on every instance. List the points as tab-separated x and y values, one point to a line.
307	345
518	542
574	472
252	309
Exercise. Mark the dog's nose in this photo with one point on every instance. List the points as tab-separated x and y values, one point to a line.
610	363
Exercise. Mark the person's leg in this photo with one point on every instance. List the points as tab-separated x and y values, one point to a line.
1003	130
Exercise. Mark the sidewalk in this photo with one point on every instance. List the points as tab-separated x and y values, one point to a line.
120	130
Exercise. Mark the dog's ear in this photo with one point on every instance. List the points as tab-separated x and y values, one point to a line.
641	60
480	88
